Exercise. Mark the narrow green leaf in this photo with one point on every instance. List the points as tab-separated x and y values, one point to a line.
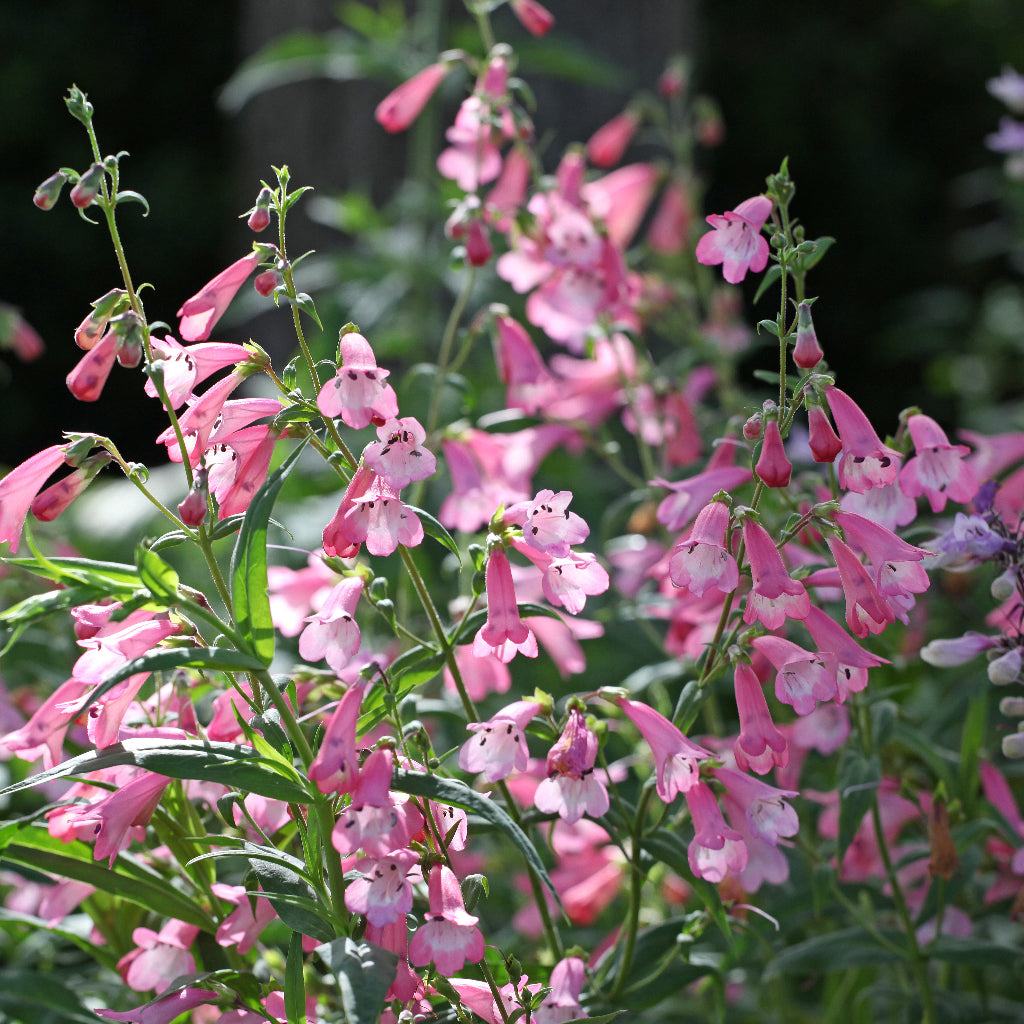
249	565
458	794
834	951
38	606
294	983
157	576
110	577
858	780
293	899
129	196
774	272
364	972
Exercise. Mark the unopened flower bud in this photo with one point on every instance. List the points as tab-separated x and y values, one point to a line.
773	466
259	219
1004	585
87	187
129	352
943	861
807	352
673	80
752	427
478	244
1012	707
1013	746
193	507
823	440
1006	668
49	191
534	16
266	282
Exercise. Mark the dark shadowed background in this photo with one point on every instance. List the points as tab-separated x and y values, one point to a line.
880	105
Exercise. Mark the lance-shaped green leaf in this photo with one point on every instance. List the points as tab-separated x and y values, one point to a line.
249	565
364	972
157	576
458	794
38	606
836	951
859	777
292	898
228	763
110	577
294	983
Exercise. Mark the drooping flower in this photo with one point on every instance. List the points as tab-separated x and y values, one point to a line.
562	1003
89	376
448	936
528	382
383	894
689	496
43	734
766	808
887	505
807	351
567	582
676	759
608	144
775	595
823	441
132	804
19	488
535	18
939	470
398	456
701	561
852	660
199	315
498	746
866	610
773	466
379	518
803	678
332	632
866	462
54	500
118	643
760	746
735	240
504	634
403	105
716	850
359	392
163	1010
335	768
243	926
619	200
572	788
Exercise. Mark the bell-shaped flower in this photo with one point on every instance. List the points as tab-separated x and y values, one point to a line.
498	746
773	466
887	505
43	734
766	808
716	850
823	440
504	634
332	632
620	200
803	678
866	462
199	315
867	611
567	582
244	925
376	821
129	806
359	392
403	105
200	419
19	488
939	470
609	143
398	456
186	366
760	746
852	660
448	936
775	595
379	518
547	523
897	564
338	539
238	468
701	561
571	788
676	759
87	380
383	894
735	240
335	768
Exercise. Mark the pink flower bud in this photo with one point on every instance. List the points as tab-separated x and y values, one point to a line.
403	105
773	467
88	187
534	17
752	427
671	224
608	144
824	443
266	282
478	244
193	507
48	192
87	379
807	352
259	219
672	81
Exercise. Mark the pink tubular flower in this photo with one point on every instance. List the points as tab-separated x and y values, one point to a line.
358	393
118	643
866	610
803	678
823	442
335	768
238	467
448	936
547	523
375	821
620	200
939	470
775	596
568	582
562	1003
242	927
397	455
773	467
383	894
504	634
185	367
379	518
131	805
509	191
163	1010
159	957
56	499
403	105
760	746
716	850
338	539
608	144
887	505
896	563
736	241
767	813
571	787
528	382
199	315
332	632
19	488
676	759
200	420
807	351
866	462
87	379
670	226
294	593
689	496
43	734
498	746
534	16
701	561
852	660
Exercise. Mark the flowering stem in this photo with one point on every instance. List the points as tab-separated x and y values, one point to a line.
483	22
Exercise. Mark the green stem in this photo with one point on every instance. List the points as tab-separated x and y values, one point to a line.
445	352
635	893
495	992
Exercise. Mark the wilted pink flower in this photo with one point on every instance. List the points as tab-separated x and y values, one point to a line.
535	18
332	632
716	850
242	927
866	462
165	1009
736	241
775	595
199	315
380	519
383	894
701	561
404	104
676	759
572	788
760	746
448	936
803	678
335	768
504	634
358	393
498	746
939	470
398	456
773	466
608	144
